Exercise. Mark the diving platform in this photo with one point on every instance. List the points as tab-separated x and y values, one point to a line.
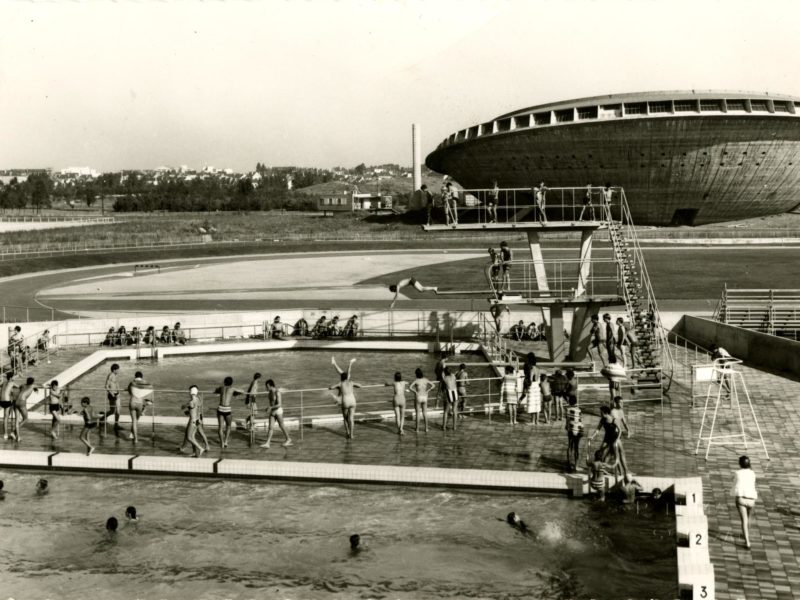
549	226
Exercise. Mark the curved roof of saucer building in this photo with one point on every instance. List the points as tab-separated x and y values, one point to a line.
683	157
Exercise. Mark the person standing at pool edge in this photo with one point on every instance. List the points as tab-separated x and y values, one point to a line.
398	401
275	414
112	392
21	405
421	387
347	400
224	411
191	409
744	490
140	392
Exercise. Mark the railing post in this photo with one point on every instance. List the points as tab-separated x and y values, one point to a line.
300	422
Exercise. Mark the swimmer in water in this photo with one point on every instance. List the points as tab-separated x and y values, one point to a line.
111	525
275	414
516	522
2	491
407	282
130	513
42	487
355	544
224	411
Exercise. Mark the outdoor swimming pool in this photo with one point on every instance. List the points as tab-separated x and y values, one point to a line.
230	539
291	369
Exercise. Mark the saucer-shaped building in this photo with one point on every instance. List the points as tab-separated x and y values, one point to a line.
684	158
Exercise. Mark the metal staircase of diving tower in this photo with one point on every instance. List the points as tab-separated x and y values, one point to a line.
583	284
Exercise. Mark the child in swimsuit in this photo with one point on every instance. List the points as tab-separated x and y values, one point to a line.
421	387
451	397
399	401
141	395
275	414
191	409
89	423
462	381
250	400
510	393
55	408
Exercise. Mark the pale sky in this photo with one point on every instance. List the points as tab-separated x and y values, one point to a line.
321	83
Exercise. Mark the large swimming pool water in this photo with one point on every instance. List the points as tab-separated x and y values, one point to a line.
226	539
298	369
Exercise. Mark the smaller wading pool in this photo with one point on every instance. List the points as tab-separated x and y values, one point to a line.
203	539
290	369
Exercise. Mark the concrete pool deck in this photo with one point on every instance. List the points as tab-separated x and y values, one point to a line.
661	446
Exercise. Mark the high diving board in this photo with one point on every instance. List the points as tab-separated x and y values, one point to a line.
547	301
522	225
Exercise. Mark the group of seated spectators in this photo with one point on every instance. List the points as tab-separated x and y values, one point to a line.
325	327
123	337
532	332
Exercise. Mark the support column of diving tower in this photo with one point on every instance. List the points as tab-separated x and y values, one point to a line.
584	298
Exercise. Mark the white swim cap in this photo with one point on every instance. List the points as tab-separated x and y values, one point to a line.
193	390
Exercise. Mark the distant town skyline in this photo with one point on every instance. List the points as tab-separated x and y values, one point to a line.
137	85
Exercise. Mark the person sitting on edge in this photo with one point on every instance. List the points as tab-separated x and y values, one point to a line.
178	335
276	329
351	327
122	336
320	327
150	336
518	331
43	343
334	329
410	281
136	336
110	337
166	336
300	328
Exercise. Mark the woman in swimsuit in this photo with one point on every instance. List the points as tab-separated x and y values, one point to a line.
275	414
510	393
55	408
399	401
224	411
347	399
421	388
744	490
410	281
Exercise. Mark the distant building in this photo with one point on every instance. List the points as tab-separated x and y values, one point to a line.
80	171
353	201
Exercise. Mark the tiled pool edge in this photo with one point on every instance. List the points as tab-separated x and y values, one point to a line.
694	568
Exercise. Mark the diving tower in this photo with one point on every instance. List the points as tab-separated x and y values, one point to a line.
567	280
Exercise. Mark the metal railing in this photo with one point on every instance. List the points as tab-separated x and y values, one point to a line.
19	314
766	310
23	355
564	278
641	278
523	205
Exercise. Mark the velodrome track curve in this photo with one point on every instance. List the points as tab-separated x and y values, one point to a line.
70	292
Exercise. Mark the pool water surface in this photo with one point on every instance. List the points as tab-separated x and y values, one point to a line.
228	539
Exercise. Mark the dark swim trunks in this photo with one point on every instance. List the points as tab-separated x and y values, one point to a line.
90	425
5	404
55	408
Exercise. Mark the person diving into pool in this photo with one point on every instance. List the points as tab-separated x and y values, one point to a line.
407	282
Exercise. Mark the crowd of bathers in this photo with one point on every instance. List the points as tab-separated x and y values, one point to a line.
325	327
